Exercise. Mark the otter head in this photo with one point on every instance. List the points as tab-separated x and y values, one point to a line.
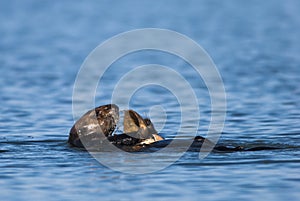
138	127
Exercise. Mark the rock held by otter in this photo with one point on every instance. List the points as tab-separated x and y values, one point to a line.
94	126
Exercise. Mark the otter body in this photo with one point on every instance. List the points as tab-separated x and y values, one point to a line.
97	126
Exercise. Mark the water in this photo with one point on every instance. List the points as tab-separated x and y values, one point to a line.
255	46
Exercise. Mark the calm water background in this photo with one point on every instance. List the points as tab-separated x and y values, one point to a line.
255	46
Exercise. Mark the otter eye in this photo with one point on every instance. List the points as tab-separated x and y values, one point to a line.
147	121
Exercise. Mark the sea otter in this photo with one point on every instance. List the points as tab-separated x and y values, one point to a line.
98	125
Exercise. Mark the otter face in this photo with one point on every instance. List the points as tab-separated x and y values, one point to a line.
150	126
136	126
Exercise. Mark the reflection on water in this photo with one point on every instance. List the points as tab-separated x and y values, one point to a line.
255	46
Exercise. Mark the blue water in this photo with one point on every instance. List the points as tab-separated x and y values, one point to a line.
255	46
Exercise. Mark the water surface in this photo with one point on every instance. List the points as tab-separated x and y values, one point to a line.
255	46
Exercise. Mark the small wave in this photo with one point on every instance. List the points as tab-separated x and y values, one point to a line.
237	162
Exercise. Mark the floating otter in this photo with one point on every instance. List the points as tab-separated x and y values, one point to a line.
98	125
